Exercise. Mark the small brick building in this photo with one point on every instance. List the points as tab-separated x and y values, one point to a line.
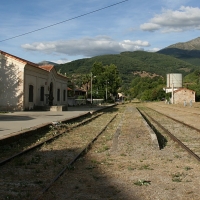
183	94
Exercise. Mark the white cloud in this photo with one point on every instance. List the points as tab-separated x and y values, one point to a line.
87	47
174	21
61	61
154	50
149	27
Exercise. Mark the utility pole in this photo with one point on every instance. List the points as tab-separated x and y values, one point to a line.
91	88
106	91
172	93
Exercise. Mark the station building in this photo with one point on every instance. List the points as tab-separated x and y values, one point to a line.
28	86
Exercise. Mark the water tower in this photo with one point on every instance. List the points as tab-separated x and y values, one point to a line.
174	82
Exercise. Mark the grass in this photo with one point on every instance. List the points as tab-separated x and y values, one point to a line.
188	168
102	149
131	168
177	177
145	167
142	183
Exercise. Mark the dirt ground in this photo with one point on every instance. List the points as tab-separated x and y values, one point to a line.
125	164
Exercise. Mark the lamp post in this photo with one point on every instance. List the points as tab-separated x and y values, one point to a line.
91	88
106	91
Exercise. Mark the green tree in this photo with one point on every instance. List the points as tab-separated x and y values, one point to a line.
86	83
106	80
147	88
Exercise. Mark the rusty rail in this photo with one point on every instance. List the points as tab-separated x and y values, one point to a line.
81	153
173	137
176	120
47	140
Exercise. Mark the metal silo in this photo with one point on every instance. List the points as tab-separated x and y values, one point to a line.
174	80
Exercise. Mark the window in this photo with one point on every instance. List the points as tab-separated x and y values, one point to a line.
64	95
42	93
30	93
58	95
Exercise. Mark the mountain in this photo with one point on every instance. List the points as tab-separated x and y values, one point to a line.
187	51
47	63
129	63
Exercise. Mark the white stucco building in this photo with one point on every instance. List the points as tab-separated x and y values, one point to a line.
25	85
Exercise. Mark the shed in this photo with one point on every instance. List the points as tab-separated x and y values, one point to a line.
184	95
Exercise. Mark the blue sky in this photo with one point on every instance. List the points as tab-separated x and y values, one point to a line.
128	26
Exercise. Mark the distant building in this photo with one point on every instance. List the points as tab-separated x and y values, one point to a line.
25	85
183	95
80	92
178	93
120	97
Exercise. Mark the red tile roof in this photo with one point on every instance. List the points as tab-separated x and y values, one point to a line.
46	67
42	67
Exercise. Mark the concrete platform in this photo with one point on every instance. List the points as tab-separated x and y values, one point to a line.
17	122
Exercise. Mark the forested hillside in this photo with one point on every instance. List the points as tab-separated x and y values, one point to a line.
130	62
143	73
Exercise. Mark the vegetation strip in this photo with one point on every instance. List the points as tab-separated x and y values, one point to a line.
82	152
174	138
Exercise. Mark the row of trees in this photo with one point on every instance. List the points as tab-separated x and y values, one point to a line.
105	81
147	88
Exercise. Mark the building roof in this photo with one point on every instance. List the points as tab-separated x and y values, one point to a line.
42	67
18	58
46	67
180	89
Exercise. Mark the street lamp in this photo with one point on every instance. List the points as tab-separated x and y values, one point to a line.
91	87
106	90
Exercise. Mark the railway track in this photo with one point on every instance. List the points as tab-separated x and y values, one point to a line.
183	134
57	129
31	172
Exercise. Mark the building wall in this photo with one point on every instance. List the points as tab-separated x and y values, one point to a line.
60	83
37	78
17	75
11	83
184	94
40	78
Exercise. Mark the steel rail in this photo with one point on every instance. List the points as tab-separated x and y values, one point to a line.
176	120
173	137
175	109
48	140
81	153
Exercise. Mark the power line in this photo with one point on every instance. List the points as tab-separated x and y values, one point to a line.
64	21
